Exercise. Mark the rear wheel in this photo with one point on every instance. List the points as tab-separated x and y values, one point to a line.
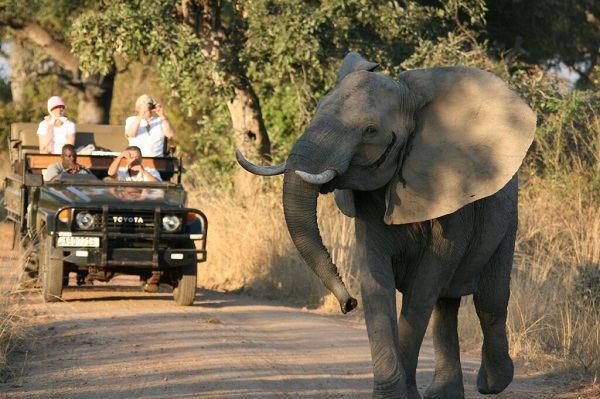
185	291
51	271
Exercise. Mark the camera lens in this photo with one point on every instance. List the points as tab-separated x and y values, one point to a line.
151	106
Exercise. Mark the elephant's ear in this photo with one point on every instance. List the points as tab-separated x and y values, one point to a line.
344	199
472	133
354	62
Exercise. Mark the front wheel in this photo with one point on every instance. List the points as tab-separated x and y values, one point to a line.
51	272
185	291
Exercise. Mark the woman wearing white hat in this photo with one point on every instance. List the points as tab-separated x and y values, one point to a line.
55	130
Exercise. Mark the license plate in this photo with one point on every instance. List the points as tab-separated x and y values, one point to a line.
78	242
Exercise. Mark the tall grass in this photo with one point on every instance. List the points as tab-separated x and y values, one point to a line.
557	273
13	320
13	324
251	251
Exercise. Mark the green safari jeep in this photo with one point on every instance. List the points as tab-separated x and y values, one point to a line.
99	229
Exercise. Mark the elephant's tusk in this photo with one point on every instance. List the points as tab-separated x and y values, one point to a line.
320	179
259	169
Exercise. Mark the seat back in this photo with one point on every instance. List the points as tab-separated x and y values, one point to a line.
103	137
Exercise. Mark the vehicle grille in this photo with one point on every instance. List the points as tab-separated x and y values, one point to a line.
121	221
129	222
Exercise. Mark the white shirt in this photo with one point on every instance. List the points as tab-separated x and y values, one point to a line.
123	174
149	136
59	133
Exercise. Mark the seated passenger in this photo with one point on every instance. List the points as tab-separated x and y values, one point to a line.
134	171
68	164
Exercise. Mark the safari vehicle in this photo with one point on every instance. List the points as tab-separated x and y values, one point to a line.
99	229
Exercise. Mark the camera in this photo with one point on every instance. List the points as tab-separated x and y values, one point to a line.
151	106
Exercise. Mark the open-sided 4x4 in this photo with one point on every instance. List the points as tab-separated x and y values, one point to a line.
99	228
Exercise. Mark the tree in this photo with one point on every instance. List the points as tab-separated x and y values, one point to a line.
45	25
191	41
286	54
549	33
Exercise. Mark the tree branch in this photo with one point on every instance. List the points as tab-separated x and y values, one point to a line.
60	53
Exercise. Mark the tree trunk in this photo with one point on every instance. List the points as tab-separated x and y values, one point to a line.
250	137
18	74
204	16
95	96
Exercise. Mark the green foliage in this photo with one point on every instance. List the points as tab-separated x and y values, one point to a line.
548	32
294	48
209	151
290	51
566	149
55	15
146	30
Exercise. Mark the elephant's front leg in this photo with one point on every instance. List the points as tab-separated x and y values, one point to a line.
379	303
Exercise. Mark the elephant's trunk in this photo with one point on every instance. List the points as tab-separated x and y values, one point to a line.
300	209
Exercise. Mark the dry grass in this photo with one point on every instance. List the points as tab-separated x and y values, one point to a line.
250	249
556	284
13	324
13	320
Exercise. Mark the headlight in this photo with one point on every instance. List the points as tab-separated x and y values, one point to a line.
84	220
171	223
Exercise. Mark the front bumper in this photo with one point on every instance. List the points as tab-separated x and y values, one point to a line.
145	248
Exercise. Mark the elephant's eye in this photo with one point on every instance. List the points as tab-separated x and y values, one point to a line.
369	132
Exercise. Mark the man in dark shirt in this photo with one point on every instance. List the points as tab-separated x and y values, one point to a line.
68	165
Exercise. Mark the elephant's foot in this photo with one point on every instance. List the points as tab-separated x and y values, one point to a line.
396	391
495	375
445	390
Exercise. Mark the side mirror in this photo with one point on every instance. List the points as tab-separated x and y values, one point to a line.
34	179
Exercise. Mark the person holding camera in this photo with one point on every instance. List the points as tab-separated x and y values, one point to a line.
148	131
134	170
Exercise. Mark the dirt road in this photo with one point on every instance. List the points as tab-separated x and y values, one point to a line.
114	341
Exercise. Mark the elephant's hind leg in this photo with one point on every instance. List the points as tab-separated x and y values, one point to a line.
497	369
447	381
491	304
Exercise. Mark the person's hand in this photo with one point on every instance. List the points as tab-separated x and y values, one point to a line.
137	168
73	169
50	119
160	112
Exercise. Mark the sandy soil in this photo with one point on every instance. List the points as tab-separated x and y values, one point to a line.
114	341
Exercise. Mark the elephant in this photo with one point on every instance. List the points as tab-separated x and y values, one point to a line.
427	164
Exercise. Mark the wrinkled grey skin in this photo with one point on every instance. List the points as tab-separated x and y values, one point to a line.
433	263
